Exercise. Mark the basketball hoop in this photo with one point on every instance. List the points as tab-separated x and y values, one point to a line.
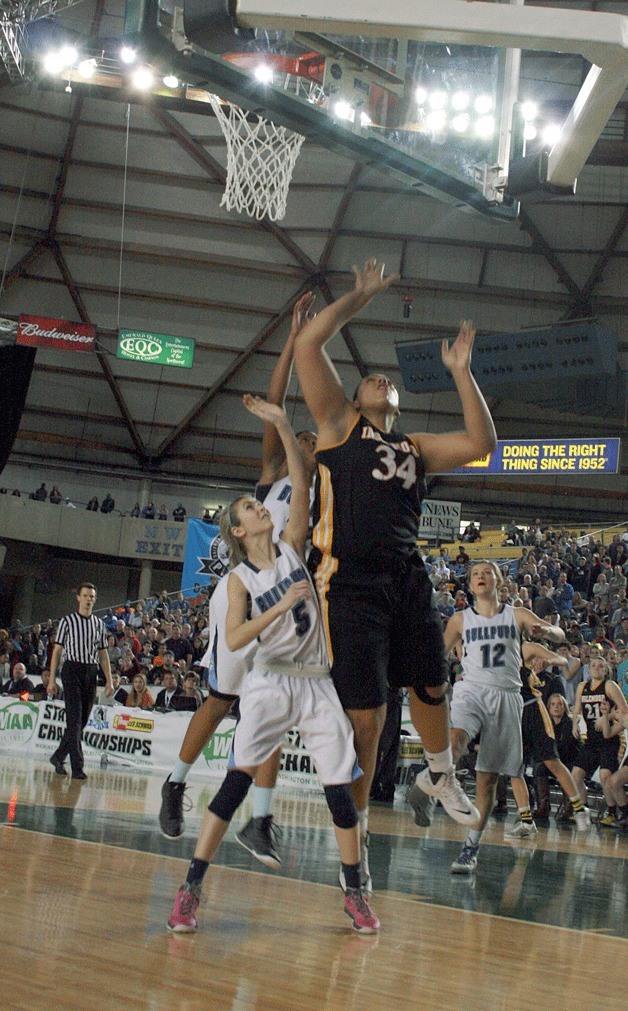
260	161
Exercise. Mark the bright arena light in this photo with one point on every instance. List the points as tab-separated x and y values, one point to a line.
529	110
483	104
436	121
438	100
142	78
461	122
529	131
171	81
365	119
128	55
87	68
551	134
485	126
58	60
420	95
264	73
68	55
344	111
460	101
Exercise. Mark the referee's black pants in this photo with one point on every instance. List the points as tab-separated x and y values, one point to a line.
79	692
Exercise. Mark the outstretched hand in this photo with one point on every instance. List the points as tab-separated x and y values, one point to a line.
458	356
370	280
302	312
271	413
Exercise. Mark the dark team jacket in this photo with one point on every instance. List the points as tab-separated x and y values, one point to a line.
367	501
540	686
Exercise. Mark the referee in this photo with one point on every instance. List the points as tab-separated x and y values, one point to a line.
84	639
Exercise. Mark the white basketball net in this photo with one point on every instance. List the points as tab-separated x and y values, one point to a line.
260	161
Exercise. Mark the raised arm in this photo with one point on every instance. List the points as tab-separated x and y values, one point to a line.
537	627
240	631
455	449
536	651
273	454
332	412
296	529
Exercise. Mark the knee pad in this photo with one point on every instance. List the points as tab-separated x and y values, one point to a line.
422	694
232	792
342	806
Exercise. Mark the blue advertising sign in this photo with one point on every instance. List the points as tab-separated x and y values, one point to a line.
206	559
548	456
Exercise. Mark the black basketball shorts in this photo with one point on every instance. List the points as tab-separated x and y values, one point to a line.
382	628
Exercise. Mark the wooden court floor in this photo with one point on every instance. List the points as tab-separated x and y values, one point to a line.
87	884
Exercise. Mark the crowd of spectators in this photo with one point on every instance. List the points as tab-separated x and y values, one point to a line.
108	505
155	648
567	578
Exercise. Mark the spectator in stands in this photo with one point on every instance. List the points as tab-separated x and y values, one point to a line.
148	512
179	513
170	689
130	639
179	646
191	690
460	600
5	666
41	689
55	497
471	534
113	650
92	505
139	696
543	606
163	512
446	606
563	596
18	683
41	494
108	504
146	658
617	582
119	694
601	589
17	493
135	511
128	665
207	516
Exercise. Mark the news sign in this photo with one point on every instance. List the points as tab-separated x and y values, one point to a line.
548	456
42	332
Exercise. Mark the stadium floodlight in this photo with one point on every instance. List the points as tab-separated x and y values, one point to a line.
264	73
551	134
436	121
420	95
529	131
365	119
128	54
529	110
483	104
344	111
437	99
460	101
87	68
142	78
485	126
461	122
171	81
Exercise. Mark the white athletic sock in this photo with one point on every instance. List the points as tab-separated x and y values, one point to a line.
442	761
180	771
262	800
473	837
363	821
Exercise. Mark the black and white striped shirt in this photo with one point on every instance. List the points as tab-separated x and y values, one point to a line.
81	637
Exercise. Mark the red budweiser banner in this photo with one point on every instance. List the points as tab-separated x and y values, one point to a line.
39	332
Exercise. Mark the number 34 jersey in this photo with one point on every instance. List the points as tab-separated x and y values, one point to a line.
491	649
296	636
367	503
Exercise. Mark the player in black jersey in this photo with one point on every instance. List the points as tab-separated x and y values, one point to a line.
589	698
376	597
539	737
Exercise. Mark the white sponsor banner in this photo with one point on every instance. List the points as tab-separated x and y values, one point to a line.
147	740
439	516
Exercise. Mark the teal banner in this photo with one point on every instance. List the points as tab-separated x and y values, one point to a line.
155	348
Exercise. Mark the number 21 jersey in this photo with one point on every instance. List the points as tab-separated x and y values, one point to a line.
367	502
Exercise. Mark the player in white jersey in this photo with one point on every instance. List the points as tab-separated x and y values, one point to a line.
274	489
290	684
488	700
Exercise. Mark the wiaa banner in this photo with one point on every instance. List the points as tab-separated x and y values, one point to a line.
206	559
